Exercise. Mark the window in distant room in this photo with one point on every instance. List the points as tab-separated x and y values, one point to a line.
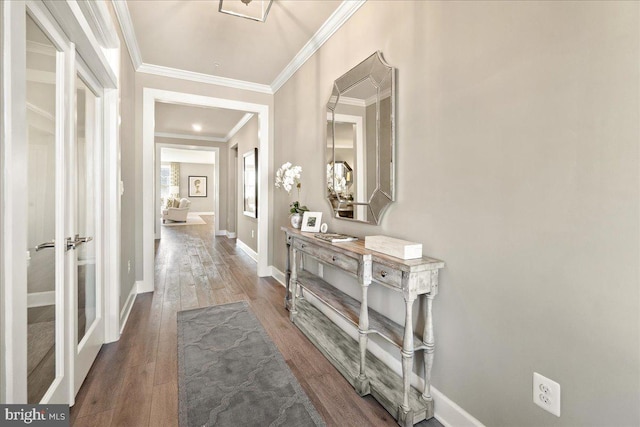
165	182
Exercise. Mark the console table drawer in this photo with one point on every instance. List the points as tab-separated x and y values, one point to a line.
387	275
344	262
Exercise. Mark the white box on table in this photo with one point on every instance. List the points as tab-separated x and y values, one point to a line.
394	247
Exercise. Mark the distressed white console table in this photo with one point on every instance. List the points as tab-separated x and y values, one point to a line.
364	371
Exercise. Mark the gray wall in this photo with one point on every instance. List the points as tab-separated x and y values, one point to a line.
517	164
246	139
131	196
198	204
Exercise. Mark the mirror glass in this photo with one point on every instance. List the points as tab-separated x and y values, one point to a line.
360	141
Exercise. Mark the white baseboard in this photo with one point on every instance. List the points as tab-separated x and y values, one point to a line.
278	275
451	414
40	299
231	234
128	305
447	412
253	254
221	233
142	287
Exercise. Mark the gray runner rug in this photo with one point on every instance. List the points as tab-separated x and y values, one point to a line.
230	373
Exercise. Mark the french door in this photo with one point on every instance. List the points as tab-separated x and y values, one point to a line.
56	159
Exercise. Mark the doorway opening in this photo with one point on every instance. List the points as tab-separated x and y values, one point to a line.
151	97
187	173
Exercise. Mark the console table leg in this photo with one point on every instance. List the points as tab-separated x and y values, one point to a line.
404	411
287	277
362	382
430	345
294	285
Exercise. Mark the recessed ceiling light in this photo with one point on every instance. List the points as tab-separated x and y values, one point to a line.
196	127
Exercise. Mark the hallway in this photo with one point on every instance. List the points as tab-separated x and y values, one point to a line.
134	381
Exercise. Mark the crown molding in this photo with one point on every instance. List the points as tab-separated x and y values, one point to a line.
189	136
126	25
333	24
346	9
97	15
243	121
175	73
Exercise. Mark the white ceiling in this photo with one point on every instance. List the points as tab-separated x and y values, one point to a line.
217	123
186	156
191	40
194	36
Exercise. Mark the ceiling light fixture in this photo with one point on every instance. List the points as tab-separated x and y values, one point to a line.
196	127
255	10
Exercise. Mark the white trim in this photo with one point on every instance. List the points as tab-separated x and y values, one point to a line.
160	70
149	98
333	24
230	234
128	305
355	102
112	214
126	25
97	15
41	299
278	275
188	136
246	249
449	413
221	233
243	121
76	27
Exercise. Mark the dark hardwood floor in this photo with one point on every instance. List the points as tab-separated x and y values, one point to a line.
134	382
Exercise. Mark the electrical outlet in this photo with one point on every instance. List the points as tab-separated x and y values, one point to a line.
129	266
546	394
252	233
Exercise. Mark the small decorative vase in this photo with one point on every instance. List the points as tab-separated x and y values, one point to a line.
296	220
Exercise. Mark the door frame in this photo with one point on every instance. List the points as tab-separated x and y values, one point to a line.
149	98
67	18
216	181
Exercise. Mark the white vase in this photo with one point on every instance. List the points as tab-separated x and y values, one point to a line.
296	220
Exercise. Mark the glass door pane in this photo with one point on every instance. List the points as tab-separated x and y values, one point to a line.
41	192
86	197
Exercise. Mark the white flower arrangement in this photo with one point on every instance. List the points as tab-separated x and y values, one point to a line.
287	177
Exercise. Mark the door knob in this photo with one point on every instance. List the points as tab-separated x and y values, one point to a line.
77	240
45	245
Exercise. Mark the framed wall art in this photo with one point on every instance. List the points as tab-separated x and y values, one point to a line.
197	186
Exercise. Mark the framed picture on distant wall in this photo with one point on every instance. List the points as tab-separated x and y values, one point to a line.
250	182
197	186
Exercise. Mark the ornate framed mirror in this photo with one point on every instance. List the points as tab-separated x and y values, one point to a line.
360	154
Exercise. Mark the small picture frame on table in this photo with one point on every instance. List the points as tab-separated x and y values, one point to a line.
311	222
